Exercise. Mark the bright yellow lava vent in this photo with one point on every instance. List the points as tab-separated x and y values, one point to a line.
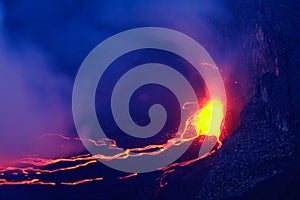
206	123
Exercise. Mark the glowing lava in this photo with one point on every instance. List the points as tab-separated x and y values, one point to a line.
206	122
203	122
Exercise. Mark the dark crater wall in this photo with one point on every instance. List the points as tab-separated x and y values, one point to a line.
258	160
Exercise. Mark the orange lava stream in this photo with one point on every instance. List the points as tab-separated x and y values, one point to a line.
25	182
32	167
82	181
128	176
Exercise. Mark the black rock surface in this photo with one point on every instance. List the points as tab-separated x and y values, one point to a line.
260	159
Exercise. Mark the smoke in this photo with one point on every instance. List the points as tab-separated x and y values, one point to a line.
32	102
44	42
67	31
